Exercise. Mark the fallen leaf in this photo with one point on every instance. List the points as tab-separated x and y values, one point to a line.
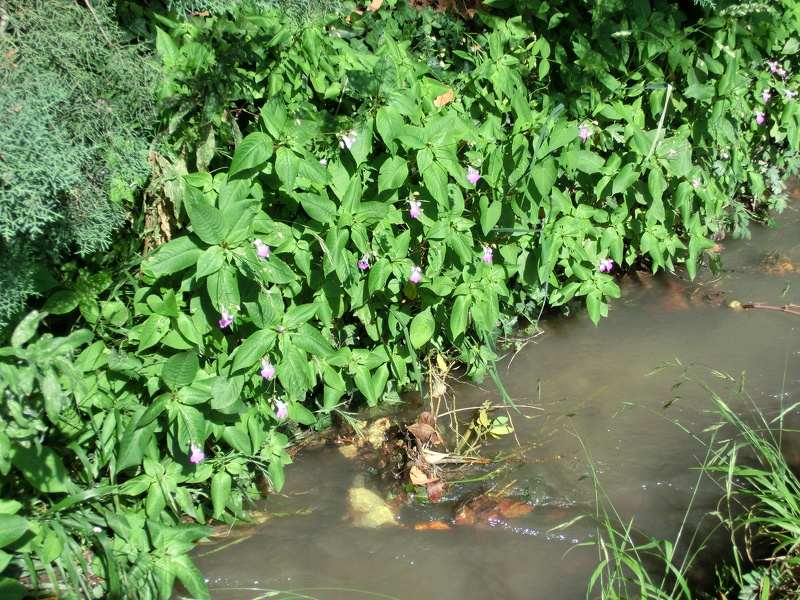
374	5
443	99
440	525
348	451
434	490
511	509
418	476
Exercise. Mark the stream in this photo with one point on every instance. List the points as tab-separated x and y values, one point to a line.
577	377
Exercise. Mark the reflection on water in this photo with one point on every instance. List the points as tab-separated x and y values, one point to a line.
580	375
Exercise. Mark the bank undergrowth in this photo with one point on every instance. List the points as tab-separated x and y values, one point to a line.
331	199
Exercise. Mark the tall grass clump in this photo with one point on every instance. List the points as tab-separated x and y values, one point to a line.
758	513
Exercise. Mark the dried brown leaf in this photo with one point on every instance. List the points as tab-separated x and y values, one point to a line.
418	476
441	525
443	99
435	490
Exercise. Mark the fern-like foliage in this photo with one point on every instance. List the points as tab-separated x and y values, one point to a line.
76	106
297	10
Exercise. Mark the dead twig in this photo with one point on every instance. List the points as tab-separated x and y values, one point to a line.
786	308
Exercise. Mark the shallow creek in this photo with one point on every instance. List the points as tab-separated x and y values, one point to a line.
578	376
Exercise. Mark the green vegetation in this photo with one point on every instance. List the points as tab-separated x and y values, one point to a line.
331	199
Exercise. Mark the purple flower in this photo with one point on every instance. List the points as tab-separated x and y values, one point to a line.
487	254
759	117
473	175
782	72
348	139
584	132
773	66
789	95
226	319
363	264
197	454
283	409
671	153
415	210
605	265
261	248
267	370
416	274
766	95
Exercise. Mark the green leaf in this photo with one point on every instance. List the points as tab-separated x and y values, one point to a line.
238	440
226	395
393	174
318	208
183	568
624	178
26	328
700	91
253	349
180	370
422	328
299	314
134	441
11	589
459	317
287	165
61	302
275	270
251	153
41	466
293	373
207	223
220	492
12	528
172	257
152	330
167	49
309	338
584	160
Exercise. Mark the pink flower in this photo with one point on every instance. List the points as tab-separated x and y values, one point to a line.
283	409
487	254
759	117
782	72
696	182
363	264
261	249
473	175
226	319
773	66
415	210
197	454
416	274
267	370
671	153
605	265
766	95
584	132
348	139
790	95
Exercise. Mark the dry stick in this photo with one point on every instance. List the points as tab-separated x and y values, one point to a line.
96	20
785	309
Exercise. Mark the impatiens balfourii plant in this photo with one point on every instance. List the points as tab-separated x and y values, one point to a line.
378	206
340	199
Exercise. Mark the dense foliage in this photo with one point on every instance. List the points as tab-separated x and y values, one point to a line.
331	200
76	104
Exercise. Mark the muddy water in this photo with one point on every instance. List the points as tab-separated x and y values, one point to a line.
578	376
